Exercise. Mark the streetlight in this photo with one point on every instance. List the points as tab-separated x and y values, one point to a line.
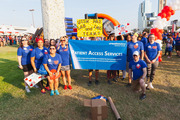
31	10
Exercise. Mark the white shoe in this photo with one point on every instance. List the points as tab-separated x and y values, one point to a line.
146	85
36	86
150	85
27	89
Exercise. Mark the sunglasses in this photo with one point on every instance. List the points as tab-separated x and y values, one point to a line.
23	40
52	48
62	40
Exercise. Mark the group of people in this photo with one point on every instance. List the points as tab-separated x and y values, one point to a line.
55	59
172	41
142	61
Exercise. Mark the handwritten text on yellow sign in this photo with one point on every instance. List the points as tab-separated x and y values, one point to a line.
89	27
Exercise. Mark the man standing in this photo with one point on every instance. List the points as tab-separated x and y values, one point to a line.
138	68
133	46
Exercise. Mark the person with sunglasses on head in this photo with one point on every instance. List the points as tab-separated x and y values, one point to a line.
138	68
36	60
53	62
152	52
23	55
133	46
63	50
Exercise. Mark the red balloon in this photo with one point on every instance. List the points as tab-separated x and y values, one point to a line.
168	18
163	15
168	14
159	14
170	8
161	30
172	12
166	7
159	35
155	37
157	30
160	59
153	30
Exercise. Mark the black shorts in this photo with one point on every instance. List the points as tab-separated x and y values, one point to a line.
27	68
90	70
178	47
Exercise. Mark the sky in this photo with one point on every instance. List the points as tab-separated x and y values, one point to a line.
16	12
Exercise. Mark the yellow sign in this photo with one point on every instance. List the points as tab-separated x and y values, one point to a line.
89	27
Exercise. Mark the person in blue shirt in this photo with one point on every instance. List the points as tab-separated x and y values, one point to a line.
36	60
138	68
164	35
169	45
152	52
52	62
23	55
133	46
144	39
178	44
63	50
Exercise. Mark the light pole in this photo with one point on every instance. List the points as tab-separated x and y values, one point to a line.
31	10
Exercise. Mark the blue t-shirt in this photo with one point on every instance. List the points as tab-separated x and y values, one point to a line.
132	47
64	52
39	54
137	68
152	50
144	41
25	52
177	40
52	62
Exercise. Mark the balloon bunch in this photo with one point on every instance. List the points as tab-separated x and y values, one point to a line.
161	21
166	12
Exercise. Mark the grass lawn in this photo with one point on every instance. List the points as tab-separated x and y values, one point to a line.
162	103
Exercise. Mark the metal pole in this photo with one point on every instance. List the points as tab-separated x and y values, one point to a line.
31	10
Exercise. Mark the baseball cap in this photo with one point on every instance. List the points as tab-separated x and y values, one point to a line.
136	53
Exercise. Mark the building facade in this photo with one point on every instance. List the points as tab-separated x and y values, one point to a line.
145	15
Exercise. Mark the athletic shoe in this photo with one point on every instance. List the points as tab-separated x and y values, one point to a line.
27	89
52	93
56	91
114	80
128	85
70	87
97	82
65	87
150	85
142	96
47	88
43	91
109	82
89	83
146	85
36	86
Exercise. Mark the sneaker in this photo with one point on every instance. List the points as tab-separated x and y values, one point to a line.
43	91
27	89
122	79
56	91
142	96
146	85
89	83
52	93
128	85
65	87
114	80
36	86
70	87
47	88
109	82
97	82
150	85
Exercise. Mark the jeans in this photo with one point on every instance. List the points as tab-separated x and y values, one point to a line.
151	68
